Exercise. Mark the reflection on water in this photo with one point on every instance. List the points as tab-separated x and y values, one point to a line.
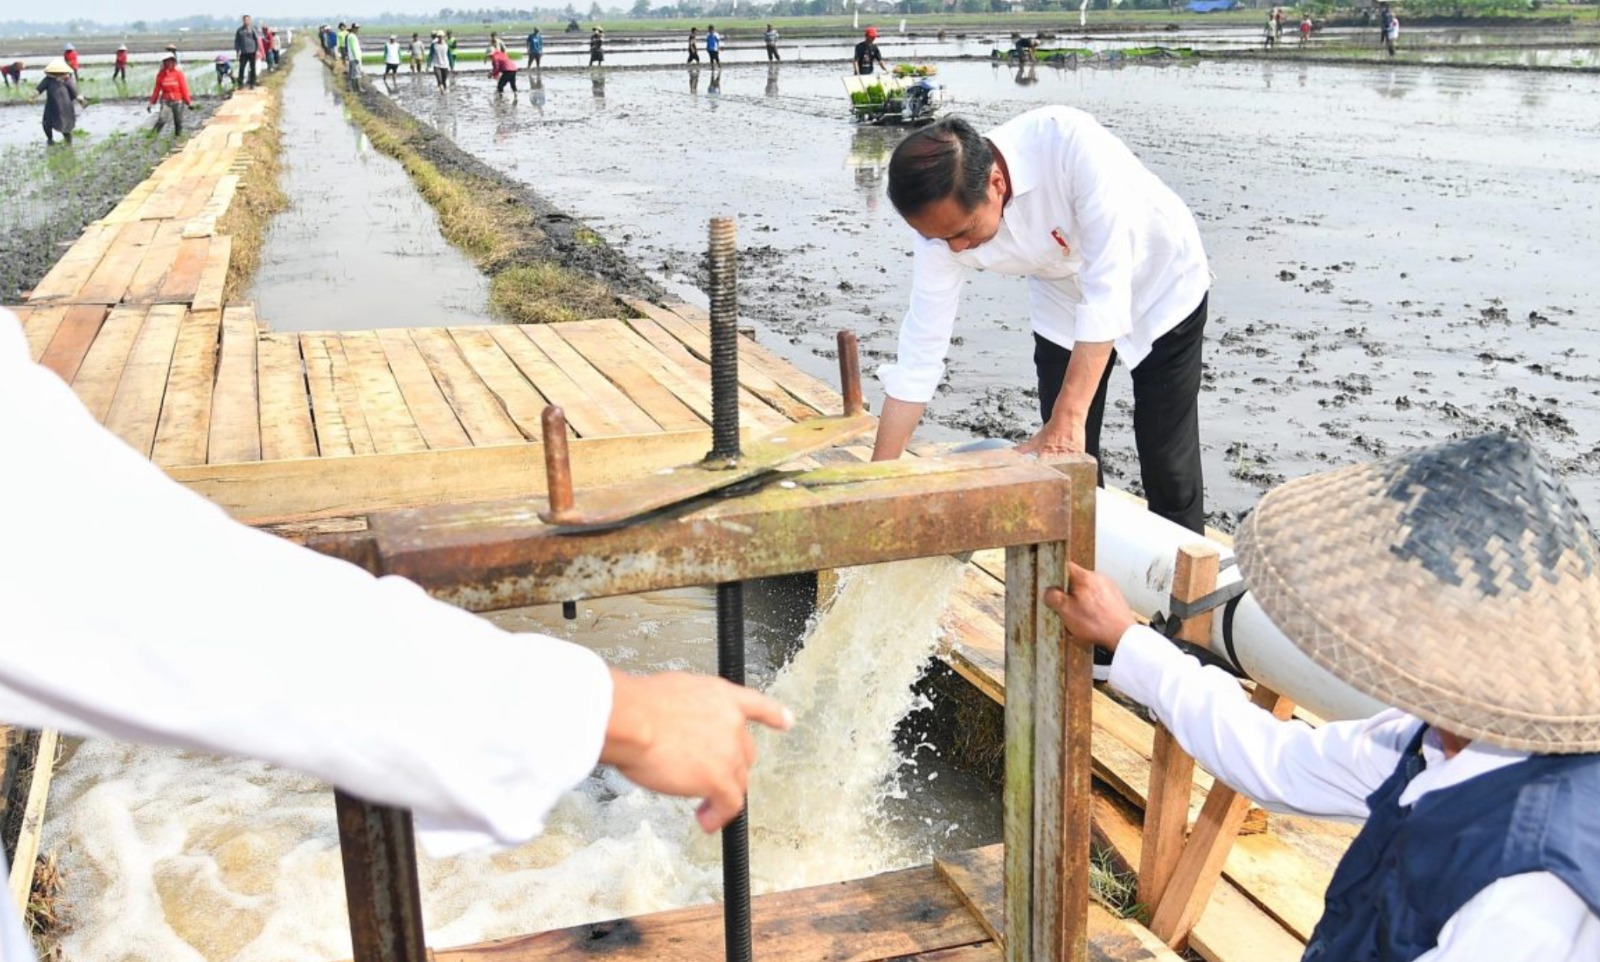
772	81
174	856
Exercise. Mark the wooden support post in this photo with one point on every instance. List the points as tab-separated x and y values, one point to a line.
1200	865
380	881
1049	690
1166	811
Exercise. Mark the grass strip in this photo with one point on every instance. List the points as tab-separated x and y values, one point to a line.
491	224
260	195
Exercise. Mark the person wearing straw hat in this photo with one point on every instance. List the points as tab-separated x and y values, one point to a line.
171	93
119	67
1459	584
70	55
328	678
61	101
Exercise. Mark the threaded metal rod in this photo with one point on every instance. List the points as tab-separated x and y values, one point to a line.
724	341
736	835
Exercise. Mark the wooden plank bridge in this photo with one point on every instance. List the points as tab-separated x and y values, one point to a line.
282	427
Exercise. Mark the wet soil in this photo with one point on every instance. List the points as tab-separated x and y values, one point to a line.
20	121
1403	253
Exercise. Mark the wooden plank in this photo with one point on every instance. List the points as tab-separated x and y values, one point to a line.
109	282
1166	814
101	370
587	417
521	401
27	849
214	275
136	408
485	421
751	377
1232	928
1017	801
1200	865
183	277
978	878
159	258
1287	886
69	273
327	413
80	325
235	404
638	383
389	420
330	487
694	325
40	326
285	407
432	413
763	372
184	430
348	388
671	353
585	375
886	916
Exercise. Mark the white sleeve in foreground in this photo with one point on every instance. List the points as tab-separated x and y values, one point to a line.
1522	918
936	282
1284	766
134	609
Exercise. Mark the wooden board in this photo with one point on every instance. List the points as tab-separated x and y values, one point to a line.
430	410
586	417
235	406
80	325
184	430
40	325
75	266
519	398
111	277
632	379
32	825
332	422
328	487
691	326
688	378
285	407
595	384
389	420
101	370
136	408
883	917
751	378
159	256
480	413
214	275
183	277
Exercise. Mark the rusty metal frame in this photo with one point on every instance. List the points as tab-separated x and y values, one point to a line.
500	555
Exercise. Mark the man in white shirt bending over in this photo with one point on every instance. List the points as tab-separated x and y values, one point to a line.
1115	268
1461	585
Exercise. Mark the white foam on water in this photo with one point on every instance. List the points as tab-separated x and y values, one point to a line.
176	857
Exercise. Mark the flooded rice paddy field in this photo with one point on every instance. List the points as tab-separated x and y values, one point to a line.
20	122
1402	253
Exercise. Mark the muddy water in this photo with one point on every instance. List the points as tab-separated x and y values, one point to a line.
359	248
20	123
172	856
1401	253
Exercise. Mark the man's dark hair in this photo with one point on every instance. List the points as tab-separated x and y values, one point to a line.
943	159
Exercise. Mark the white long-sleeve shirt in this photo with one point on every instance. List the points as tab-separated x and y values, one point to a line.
1330	771
1110	252
132	608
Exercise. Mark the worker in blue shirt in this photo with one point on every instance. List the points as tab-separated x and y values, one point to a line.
714	45
535	49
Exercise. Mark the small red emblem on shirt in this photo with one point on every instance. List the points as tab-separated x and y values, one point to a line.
1062	240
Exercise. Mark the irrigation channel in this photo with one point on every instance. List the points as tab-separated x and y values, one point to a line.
1402	253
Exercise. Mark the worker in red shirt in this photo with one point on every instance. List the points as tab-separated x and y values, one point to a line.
172	92
70	55
501	66
119	70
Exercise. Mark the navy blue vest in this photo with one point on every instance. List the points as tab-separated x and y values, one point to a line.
1408	872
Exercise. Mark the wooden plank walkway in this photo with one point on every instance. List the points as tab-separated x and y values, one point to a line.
327	425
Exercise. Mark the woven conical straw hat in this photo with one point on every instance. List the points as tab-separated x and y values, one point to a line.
1458	583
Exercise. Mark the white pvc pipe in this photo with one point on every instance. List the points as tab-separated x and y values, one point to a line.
1138	550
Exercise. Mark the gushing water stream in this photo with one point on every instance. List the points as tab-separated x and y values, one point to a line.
175	857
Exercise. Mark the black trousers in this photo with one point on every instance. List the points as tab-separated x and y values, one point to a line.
1166	417
247	61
